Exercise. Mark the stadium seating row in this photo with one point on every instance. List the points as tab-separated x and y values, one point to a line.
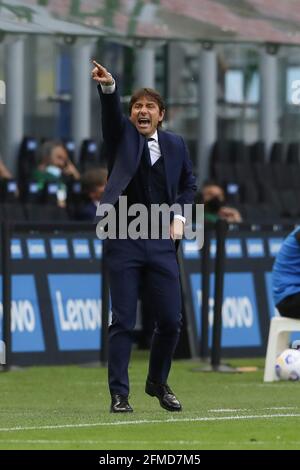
89	156
263	190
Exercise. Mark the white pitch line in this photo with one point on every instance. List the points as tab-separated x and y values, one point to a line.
282	408
91	442
150	421
101	442
228	410
243	410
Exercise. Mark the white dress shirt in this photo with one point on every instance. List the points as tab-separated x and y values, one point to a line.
154	148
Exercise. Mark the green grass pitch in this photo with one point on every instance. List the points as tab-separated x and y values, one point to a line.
67	408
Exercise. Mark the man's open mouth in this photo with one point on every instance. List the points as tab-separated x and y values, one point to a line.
143	121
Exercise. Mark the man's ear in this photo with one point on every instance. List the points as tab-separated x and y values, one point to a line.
162	114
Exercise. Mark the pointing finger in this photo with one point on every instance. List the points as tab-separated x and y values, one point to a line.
99	67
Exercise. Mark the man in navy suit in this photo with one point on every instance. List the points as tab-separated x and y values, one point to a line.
149	166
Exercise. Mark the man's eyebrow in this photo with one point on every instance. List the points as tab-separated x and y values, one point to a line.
148	102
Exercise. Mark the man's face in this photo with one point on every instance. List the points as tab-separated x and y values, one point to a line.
96	194
146	115
59	157
213	192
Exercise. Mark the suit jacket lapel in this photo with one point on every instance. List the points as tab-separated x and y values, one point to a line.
141	148
167	159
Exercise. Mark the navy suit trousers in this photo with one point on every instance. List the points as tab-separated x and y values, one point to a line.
128	263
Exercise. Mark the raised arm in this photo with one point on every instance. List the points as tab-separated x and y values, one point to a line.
112	117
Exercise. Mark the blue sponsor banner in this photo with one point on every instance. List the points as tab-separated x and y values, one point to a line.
274	245
59	248
27	335
272	309
255	247
81	248
77	307
190	249
16	251
233	247
239	310
97	248
36	248
213	248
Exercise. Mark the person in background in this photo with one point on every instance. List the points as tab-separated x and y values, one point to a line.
4	172
55	167
93	183
213	198
54	164
286	276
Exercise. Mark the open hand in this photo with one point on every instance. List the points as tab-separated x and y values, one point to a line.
71	170
230	214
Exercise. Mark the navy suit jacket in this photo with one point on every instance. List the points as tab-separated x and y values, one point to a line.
87	211
124	145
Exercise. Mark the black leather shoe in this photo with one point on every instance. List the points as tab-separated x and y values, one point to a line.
119	404
166	397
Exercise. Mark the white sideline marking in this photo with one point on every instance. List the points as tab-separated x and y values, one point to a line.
235	410
282	408
150	421
79	441
228	410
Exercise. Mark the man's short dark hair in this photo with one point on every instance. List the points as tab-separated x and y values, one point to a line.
212	182
92	178
149	93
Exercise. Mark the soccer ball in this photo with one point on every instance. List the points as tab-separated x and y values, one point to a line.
287	366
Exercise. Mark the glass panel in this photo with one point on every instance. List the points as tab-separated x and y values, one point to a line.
293	85
234	86
44	116
252	90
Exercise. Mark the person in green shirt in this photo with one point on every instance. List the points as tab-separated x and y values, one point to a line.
55	167
213	198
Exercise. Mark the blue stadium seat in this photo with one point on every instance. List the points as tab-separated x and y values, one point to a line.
89	155
277	152
293	153
27	160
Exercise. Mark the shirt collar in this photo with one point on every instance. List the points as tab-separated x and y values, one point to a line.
154	136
